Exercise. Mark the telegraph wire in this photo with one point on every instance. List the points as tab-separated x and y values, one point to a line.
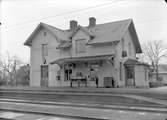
65	13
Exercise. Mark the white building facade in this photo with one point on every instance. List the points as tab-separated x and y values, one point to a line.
79	55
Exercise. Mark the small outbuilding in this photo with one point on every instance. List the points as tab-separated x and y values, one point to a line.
136	73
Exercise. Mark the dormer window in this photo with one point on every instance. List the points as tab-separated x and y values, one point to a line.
124	53
92	37
80	45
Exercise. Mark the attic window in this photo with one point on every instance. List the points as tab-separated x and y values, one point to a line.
124	53
44	34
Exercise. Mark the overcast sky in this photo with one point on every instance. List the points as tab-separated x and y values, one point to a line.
20	17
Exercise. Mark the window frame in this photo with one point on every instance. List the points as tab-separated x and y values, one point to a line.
44	50
78	49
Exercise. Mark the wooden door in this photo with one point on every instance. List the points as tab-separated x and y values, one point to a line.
129	74
44	76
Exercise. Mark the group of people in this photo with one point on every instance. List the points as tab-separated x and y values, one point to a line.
87	78
94	78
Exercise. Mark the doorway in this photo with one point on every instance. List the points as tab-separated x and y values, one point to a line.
129	76
44	76
67	74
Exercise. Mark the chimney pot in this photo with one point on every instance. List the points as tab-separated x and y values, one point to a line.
73	24
92	21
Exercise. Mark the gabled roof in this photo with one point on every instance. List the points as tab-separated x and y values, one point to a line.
108	32
57	33
64	45
134	37
84	29
114	31
100	34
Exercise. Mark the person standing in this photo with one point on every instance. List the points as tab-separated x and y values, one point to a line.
97	81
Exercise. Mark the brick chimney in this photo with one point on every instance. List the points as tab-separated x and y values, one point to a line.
73	25
92	22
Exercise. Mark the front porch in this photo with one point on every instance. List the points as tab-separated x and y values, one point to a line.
89	71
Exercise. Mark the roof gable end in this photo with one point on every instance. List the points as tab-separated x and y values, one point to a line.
83	29
28	42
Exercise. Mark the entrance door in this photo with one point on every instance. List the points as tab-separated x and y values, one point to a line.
44	76
67	74
129	76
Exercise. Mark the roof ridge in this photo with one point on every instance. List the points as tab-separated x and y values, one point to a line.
50	26
129	19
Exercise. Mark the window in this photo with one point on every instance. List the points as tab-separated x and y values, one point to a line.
80	45
124	54
129	49
44	50
130	72
58	75
67	74
44	33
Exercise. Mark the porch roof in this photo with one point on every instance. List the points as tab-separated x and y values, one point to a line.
133	62
82	59
130	61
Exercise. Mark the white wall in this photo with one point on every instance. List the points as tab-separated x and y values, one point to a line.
90	49
107	70
54	54
121	47
141	76
36	57
128	39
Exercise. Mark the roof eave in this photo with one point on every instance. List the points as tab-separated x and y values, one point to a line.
27	44
28	41
100	43
134	36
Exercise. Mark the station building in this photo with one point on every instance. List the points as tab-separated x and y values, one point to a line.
107	51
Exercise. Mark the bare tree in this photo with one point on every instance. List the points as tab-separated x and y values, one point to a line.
155	51
23	75
9	66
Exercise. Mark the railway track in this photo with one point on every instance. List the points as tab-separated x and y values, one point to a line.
88	98
52	103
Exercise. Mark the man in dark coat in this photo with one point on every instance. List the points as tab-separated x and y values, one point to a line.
97	81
